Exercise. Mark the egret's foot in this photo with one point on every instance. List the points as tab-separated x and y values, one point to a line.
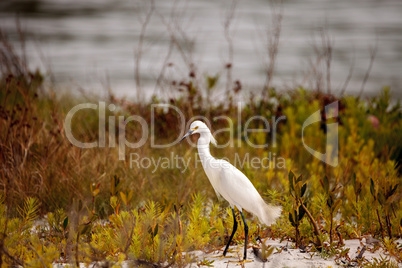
230	250
240	262
221	257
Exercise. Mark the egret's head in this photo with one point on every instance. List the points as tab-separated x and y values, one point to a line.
202	128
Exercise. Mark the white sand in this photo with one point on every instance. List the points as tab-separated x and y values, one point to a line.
286	258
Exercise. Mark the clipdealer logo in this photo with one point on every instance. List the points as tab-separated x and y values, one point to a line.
330	156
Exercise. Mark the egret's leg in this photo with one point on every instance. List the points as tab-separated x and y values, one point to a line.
233	232
245	234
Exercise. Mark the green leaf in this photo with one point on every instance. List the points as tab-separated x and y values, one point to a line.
359	188
299	179
303	190
392	191
211	81
116	180
65	223
113	185
297	190
372	189
95	192
79	205
330	201
30	210
337	205
292	221
301	213
268	252
381	198
84	229
123	198
291	180
155	230
130	195
325	184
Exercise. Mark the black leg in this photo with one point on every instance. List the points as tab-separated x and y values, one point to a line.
245	234
233	232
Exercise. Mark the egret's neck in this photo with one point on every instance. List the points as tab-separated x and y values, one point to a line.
203	145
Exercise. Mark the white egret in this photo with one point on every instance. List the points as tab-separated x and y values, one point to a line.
231	184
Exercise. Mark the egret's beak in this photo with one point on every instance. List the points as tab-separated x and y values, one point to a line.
187	134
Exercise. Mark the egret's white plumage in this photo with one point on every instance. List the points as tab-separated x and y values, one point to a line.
231	183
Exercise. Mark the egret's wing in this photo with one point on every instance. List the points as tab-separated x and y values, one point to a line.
237	188
213	175
220	198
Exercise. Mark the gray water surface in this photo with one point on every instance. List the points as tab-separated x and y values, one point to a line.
93	44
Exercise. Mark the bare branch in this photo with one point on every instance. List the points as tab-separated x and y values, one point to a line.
273	45
176	33
227	23
319	73
373	52
139	50
348	77
161	75
327	47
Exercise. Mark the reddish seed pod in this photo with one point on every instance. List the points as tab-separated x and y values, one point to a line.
237	86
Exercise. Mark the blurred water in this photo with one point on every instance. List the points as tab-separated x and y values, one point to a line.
91	44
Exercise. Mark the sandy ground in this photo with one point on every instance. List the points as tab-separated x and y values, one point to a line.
288	257
283	256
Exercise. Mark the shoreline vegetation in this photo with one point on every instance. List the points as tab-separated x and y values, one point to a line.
64	204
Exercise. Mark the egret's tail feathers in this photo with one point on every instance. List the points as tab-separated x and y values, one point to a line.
269	213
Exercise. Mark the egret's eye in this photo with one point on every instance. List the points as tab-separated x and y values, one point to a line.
196	128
